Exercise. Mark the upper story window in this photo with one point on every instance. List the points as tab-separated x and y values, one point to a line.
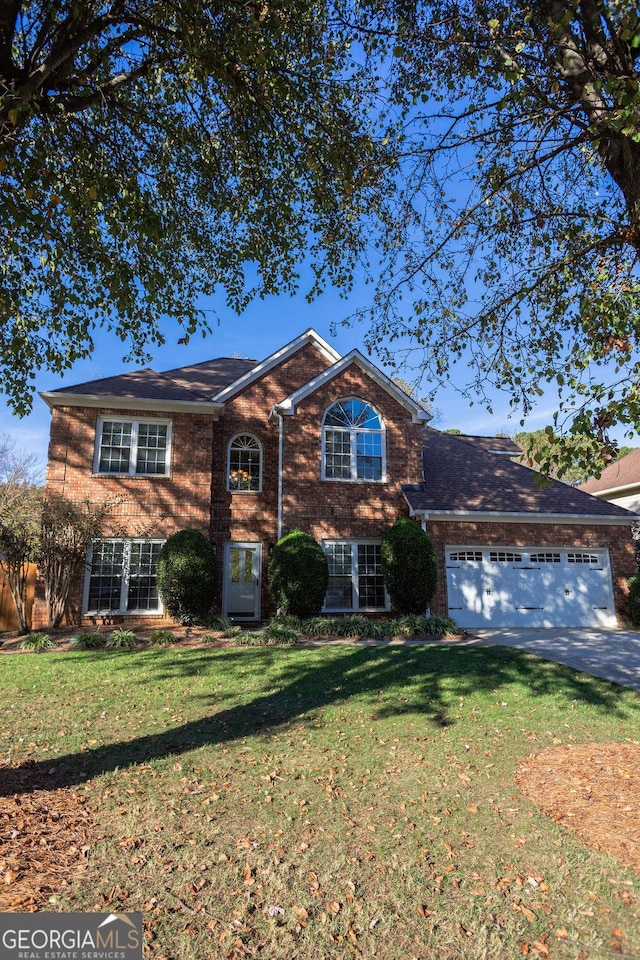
133	447
353	438
244	473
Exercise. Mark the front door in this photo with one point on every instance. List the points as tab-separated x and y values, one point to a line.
242	581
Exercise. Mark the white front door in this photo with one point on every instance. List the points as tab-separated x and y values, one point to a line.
241	593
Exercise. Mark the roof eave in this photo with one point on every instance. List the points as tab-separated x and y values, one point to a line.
54	399
491	516
604	494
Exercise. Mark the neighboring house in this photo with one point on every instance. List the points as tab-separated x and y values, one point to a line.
246	451
619	483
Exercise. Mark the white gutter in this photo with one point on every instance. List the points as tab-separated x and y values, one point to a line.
491	516
53	399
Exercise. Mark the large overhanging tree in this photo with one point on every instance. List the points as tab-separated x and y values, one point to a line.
153	152
520	161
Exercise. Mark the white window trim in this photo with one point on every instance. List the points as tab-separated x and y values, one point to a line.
353	431
354	544
124	581
135	421
244	433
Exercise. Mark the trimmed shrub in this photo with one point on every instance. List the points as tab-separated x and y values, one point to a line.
409	566
634	599
187	576
298	575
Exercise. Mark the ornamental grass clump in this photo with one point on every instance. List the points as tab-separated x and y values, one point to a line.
37	642
121	639
161	638
87	640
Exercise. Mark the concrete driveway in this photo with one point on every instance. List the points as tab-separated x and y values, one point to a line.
612	654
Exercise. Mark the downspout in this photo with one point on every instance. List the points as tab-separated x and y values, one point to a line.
280	460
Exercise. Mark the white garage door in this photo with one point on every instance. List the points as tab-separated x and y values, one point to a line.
533	587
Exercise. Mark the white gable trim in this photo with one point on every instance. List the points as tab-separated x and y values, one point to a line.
605	494
288	406
309	336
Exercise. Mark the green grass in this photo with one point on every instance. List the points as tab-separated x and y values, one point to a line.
316	803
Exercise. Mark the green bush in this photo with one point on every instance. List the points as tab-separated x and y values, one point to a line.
634	599
443	626
409	566
276	632
87	640
121	639
298	574
161	638
37	642
187	576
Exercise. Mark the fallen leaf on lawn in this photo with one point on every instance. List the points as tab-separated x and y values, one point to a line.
333	907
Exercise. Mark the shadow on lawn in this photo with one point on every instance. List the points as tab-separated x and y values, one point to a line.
419	680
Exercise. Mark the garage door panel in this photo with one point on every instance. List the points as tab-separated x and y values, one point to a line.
529	587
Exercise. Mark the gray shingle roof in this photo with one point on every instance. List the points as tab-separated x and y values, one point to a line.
624	473
197	382
460	476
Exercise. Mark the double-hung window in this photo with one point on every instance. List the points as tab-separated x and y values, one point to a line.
355	577
122	577
353	442
135	447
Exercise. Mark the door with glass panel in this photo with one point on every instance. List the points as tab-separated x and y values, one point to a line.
241	595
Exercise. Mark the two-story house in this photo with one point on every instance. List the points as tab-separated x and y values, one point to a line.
246	451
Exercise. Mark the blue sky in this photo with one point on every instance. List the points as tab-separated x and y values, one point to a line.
264	327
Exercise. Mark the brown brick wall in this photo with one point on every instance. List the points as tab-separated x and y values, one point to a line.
463	533
326	509
153	507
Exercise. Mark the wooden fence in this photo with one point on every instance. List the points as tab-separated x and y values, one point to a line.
8	618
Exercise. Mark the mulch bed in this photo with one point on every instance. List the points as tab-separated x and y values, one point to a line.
592	789
46	834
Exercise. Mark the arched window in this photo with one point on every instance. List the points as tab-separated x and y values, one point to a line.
353	438
244	470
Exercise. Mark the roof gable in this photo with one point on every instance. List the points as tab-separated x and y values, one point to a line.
289	404
275	359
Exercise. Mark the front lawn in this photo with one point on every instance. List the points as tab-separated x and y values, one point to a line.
330	802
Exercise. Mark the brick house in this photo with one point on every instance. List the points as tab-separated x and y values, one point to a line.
246	451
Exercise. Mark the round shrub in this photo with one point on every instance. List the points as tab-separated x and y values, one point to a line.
409	566
298	574
187	576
